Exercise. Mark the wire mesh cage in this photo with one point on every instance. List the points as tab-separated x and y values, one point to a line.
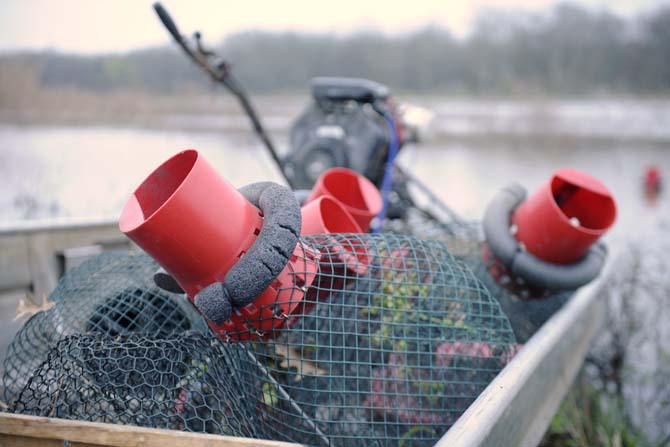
176	381
111	294
388	346
427	217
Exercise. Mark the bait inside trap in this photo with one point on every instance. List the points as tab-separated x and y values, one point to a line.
387	357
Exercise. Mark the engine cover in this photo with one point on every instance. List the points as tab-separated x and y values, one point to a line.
337	133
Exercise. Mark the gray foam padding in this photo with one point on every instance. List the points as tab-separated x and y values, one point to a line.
268	256
214	303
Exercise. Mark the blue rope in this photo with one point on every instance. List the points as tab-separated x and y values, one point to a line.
387	182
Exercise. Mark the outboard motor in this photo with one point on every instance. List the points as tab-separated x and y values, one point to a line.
343	127
540	249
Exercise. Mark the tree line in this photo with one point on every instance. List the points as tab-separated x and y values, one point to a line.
566	50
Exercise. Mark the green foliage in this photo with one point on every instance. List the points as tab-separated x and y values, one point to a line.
410	437
591	417
270	398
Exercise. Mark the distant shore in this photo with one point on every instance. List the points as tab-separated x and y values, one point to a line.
540	120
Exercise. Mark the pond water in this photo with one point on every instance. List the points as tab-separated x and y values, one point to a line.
480	146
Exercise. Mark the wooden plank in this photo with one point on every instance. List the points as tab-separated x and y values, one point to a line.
54	224
26	441
518	405
14	267
43	264
44	245
110	435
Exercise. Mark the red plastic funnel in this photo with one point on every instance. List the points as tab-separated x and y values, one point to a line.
192	221
197	225
565	216
359	196
327	215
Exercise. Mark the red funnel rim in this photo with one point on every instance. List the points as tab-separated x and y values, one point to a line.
583	180
353	190
593	186
335	218
157	189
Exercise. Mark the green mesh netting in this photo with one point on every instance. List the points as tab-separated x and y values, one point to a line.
427	217
391	346
391	343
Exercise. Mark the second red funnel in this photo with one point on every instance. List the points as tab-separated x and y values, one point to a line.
359	196
327	215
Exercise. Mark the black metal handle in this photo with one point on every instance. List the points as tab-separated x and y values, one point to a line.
225	78
167	21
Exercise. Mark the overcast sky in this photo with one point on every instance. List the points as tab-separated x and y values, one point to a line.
118	25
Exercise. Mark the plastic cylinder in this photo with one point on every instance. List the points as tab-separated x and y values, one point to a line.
565	216
327	215
359	196
190	220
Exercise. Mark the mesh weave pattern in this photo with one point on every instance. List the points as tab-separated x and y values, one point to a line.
461	237
428	218
112	294
391	343
172	382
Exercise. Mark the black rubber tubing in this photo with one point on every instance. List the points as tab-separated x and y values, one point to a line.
262	263
520	262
